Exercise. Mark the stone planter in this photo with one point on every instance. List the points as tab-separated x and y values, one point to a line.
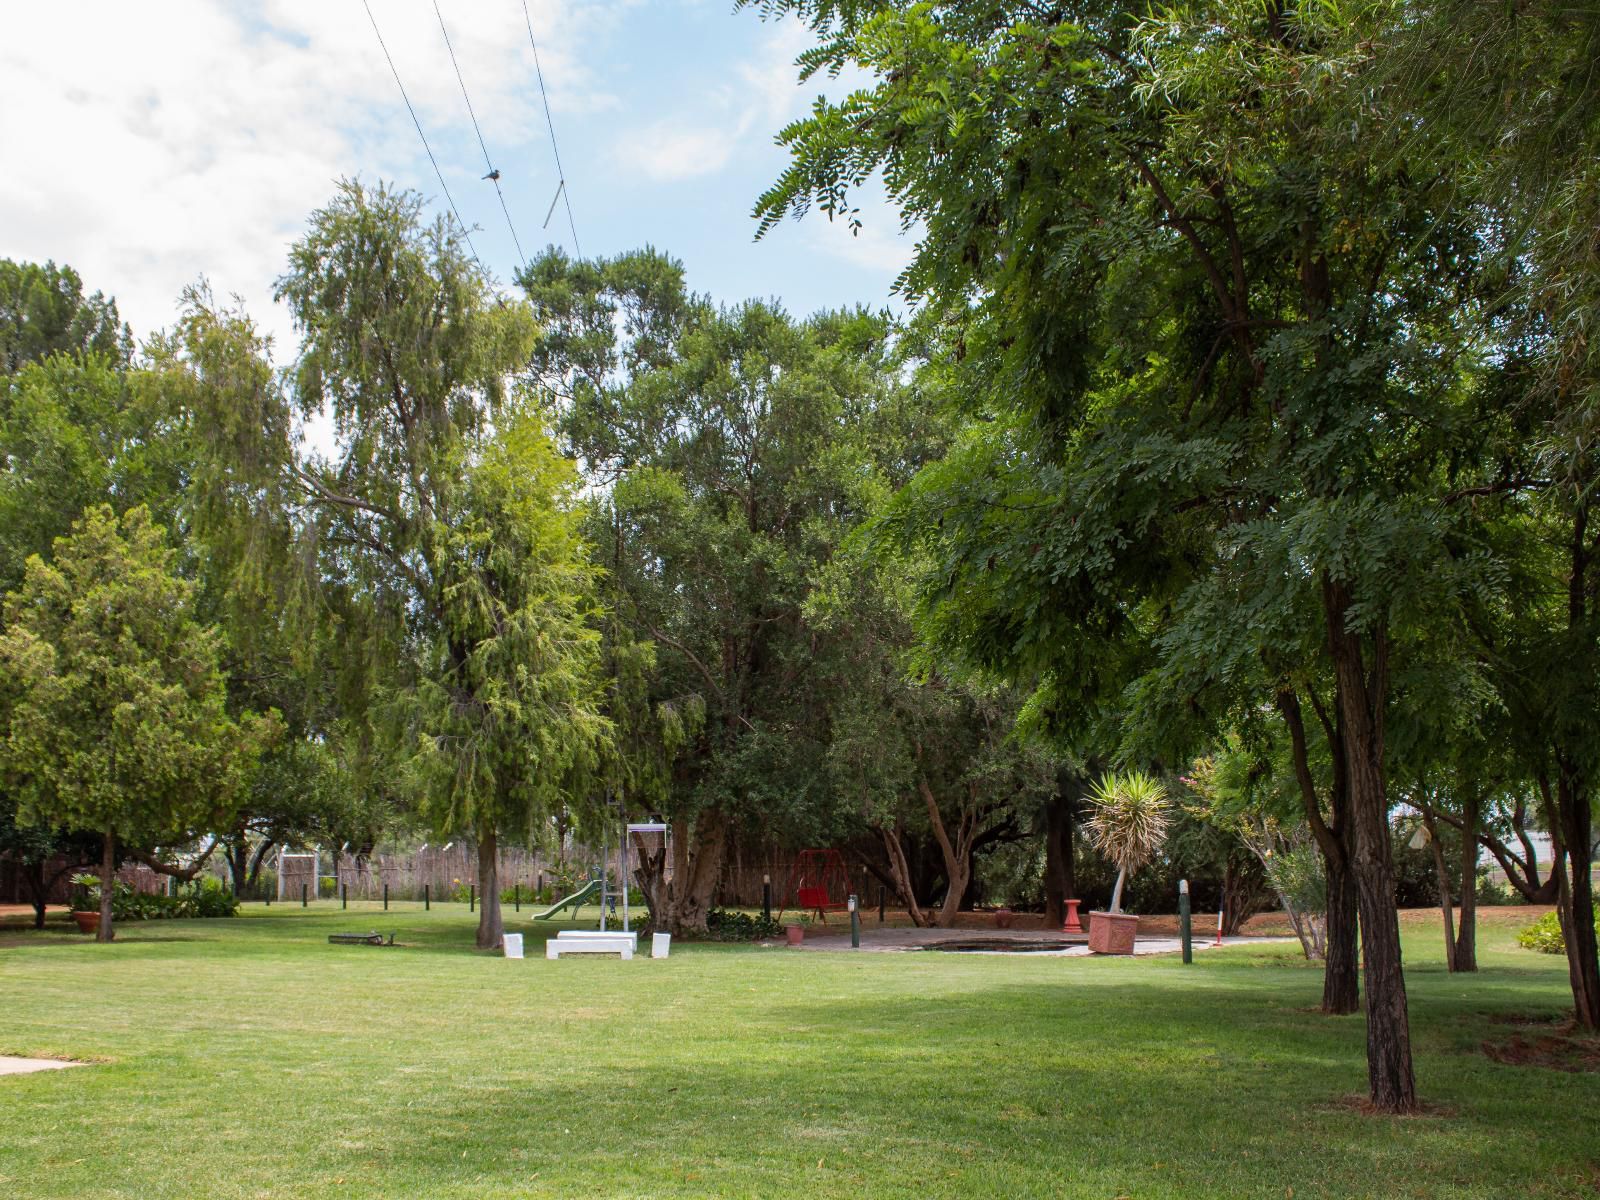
1112	933
1003	918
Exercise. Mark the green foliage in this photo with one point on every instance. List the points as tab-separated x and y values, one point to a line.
205	898
1545	936
116	715
43	312
730	925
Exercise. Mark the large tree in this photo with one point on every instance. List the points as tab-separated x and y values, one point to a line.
444	524
116	714
732	449
1216	333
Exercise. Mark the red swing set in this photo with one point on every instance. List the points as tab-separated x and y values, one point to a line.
819	882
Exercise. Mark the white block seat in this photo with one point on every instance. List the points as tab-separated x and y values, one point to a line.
574	942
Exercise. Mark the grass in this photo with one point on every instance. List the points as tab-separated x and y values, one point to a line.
250	1058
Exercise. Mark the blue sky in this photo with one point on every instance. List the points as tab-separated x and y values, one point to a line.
189	138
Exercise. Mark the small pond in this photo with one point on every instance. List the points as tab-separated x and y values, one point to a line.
981	945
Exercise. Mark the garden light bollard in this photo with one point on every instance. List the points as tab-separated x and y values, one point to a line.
427	899
472	898
344	895
766	897
1218	942
302	895
855	924
386	897
883	900
1183	920
516	897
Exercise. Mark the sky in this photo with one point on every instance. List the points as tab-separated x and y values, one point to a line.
151	145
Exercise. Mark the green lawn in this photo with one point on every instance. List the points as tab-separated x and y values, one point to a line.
250	1058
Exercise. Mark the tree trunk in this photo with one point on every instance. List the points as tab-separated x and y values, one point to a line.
957	860
108	885
34	873
1577	832
900	872
698	851
239	865
1442	873
1360	697
491	926
1341	977
1466	956
1060	881
1341	988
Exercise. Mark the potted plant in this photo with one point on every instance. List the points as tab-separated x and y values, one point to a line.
1128	825
85	902
795	929
1003	917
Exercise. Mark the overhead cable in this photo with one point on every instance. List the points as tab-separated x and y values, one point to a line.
563	192
450	200
494	175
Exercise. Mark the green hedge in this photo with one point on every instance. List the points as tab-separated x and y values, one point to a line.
1544	935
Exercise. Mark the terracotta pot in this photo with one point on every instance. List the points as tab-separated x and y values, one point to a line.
88	922
797	934
1112	933
1003	917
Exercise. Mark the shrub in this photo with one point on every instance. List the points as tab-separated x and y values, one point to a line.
728	925
1545	936
206	897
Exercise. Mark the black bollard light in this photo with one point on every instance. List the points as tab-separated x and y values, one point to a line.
386	897
472	898
516	896
302	895
855	924
1183	920
766	897
427	899
344	895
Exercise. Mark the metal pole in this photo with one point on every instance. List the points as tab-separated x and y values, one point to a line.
427	899
855	924
302	895
344	895
472	897
623	856
605	878
516	897
766	897
1183	921
386	897
883	899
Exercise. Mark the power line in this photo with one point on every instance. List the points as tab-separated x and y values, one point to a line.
449	199
563	192
493	176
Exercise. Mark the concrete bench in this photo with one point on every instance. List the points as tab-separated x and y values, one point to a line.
592	943
615	935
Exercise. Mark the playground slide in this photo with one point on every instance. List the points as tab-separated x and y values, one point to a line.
574	901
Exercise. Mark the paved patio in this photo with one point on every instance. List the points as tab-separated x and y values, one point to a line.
1004	941
25	1066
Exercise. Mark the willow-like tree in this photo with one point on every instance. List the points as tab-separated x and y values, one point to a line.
115	707
445	522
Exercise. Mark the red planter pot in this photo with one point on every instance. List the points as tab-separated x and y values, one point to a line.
1003	918
797	934
88	922
1112	933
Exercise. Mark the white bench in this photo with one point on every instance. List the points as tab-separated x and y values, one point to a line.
571	941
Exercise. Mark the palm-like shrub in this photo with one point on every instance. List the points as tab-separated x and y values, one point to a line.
1129	822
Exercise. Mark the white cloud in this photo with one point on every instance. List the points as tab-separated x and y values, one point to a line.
147	144
665	153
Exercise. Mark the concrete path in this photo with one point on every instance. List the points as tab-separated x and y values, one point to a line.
1025	941
23	1066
